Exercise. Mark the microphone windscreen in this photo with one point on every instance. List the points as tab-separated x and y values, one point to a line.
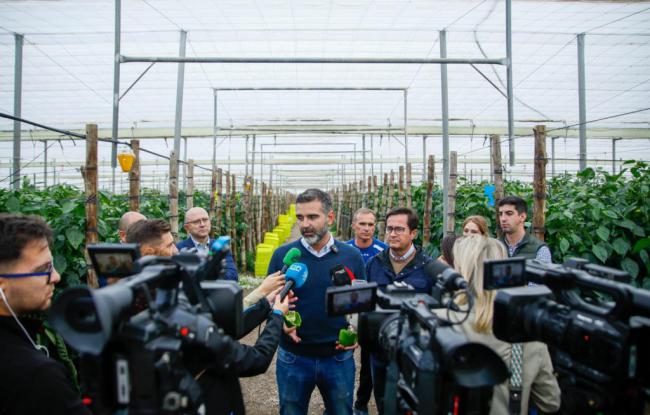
298	273
292	255
434	268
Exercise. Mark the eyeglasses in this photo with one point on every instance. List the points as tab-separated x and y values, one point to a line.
199	221
397	229
47	273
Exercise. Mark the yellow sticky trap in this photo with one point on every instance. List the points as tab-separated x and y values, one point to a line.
126	161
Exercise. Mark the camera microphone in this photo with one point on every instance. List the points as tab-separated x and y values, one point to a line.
447	277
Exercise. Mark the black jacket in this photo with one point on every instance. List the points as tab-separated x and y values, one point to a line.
219	379
30	382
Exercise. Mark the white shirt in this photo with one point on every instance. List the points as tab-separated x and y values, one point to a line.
201	248
323	251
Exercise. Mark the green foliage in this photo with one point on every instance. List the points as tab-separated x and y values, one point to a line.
63	208
595	215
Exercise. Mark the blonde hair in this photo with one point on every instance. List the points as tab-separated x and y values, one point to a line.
469	254
479	221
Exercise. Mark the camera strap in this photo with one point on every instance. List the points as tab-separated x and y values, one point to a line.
515	384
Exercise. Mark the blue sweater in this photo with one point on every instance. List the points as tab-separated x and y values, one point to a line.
318	332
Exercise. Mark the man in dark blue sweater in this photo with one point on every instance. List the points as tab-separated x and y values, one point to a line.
311	356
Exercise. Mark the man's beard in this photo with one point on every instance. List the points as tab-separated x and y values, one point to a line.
319	234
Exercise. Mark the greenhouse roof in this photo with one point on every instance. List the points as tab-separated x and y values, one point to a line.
68	55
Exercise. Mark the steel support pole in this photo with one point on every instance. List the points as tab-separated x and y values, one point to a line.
355	164
445	130
18	98
214	134
185	163
180	80
582	106
424	158
370	61
116	87
44	163
363	149
406	134
253	159
553	156
614	140
510	93
246	157
372	155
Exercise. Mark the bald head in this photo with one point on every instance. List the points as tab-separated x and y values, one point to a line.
197	224
128	219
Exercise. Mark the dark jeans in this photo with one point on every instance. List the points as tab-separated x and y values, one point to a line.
378	367
297	376
365	382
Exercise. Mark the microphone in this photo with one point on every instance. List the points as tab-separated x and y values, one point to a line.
341	275
446	278
296	275
292	255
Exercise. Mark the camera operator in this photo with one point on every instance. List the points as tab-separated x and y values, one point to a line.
219	378
530	363
31	382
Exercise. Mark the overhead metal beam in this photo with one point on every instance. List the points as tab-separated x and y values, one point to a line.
398	61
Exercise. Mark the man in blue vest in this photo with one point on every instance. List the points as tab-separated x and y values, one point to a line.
363	225
310	356
198	226
512	218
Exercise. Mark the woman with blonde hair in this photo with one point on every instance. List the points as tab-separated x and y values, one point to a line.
475	225
537	381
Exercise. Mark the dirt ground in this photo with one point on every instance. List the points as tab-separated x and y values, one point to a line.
261	392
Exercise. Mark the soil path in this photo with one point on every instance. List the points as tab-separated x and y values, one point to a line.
261	392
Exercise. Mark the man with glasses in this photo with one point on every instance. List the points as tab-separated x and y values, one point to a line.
401	262
198	226
31	382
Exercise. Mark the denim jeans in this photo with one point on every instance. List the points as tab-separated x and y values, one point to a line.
298	375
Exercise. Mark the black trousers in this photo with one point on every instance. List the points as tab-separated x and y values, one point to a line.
365	382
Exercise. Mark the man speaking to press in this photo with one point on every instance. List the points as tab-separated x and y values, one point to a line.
310	356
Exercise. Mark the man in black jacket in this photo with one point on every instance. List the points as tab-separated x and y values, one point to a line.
31	382
218	370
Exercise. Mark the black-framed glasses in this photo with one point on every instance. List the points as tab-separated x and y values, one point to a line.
397	229
47	274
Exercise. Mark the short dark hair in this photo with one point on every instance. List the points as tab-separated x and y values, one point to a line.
16	231
412	219
310	195
147	231
519	203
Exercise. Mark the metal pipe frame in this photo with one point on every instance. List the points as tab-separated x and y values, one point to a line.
116	85
510	93
582	106
180	80
445	130
18	98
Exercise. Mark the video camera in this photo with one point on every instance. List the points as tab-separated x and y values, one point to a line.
430	367
597	328
139	360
